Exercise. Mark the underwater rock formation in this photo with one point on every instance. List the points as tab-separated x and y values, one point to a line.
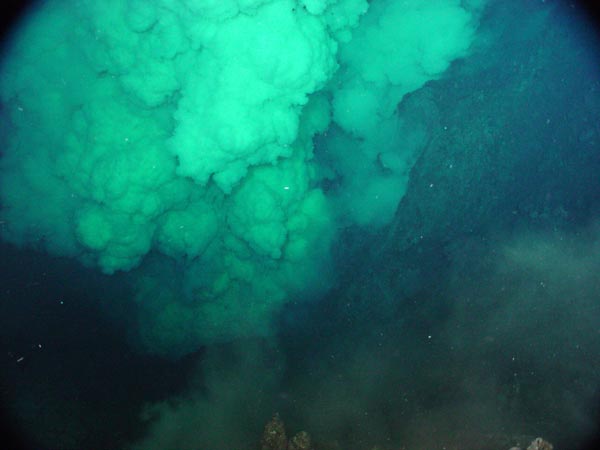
537	444
274	437
301	441
540	444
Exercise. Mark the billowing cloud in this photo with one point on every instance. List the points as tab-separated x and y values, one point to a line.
174	140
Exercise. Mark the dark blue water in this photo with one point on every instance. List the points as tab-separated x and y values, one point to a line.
471	321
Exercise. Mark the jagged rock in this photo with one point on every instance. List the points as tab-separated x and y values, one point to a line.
274	437
300	442
540	444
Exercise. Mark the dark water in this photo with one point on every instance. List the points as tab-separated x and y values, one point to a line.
470	321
